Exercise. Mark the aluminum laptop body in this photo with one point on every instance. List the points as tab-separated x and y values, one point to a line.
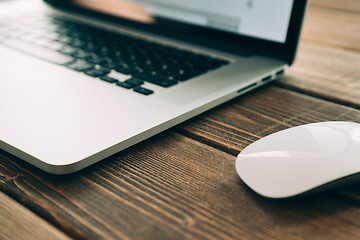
62	120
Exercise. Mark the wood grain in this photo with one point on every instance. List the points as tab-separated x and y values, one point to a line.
327	63
182	184
332	27
174	187
345	5
234	125
329	73
18	222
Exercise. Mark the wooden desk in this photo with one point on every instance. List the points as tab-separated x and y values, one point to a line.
181	184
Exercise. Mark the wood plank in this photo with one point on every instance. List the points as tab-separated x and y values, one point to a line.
327	63
345	5
235	125
332	27
329	73
173	187
18	222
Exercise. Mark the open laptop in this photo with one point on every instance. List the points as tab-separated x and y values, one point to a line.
84	79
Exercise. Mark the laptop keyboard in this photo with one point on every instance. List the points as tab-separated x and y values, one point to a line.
100	53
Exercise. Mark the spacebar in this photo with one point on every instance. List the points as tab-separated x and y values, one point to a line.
39	52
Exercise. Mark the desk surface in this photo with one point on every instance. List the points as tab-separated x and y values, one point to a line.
181	184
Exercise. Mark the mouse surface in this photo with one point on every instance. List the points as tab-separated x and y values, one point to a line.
303	159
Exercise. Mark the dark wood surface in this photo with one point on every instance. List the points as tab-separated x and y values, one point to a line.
327	64
17	222
182	184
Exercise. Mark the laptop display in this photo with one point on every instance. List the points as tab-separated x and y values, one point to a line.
245	17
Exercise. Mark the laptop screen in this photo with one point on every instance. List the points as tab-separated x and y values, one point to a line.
262	19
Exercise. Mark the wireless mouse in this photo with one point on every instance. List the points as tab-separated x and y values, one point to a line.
302	160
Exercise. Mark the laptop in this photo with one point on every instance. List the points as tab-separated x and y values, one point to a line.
84	79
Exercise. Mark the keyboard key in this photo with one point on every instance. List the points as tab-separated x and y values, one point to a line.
81	54
96	59
108	63
135	82
80	65
125	85
108	79
155	79
97	72
125	69
142	90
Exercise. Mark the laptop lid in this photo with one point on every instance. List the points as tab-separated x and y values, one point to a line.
270	28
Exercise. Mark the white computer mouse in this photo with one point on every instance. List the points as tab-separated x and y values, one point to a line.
302	160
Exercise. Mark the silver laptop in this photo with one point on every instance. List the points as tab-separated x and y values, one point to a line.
82	79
